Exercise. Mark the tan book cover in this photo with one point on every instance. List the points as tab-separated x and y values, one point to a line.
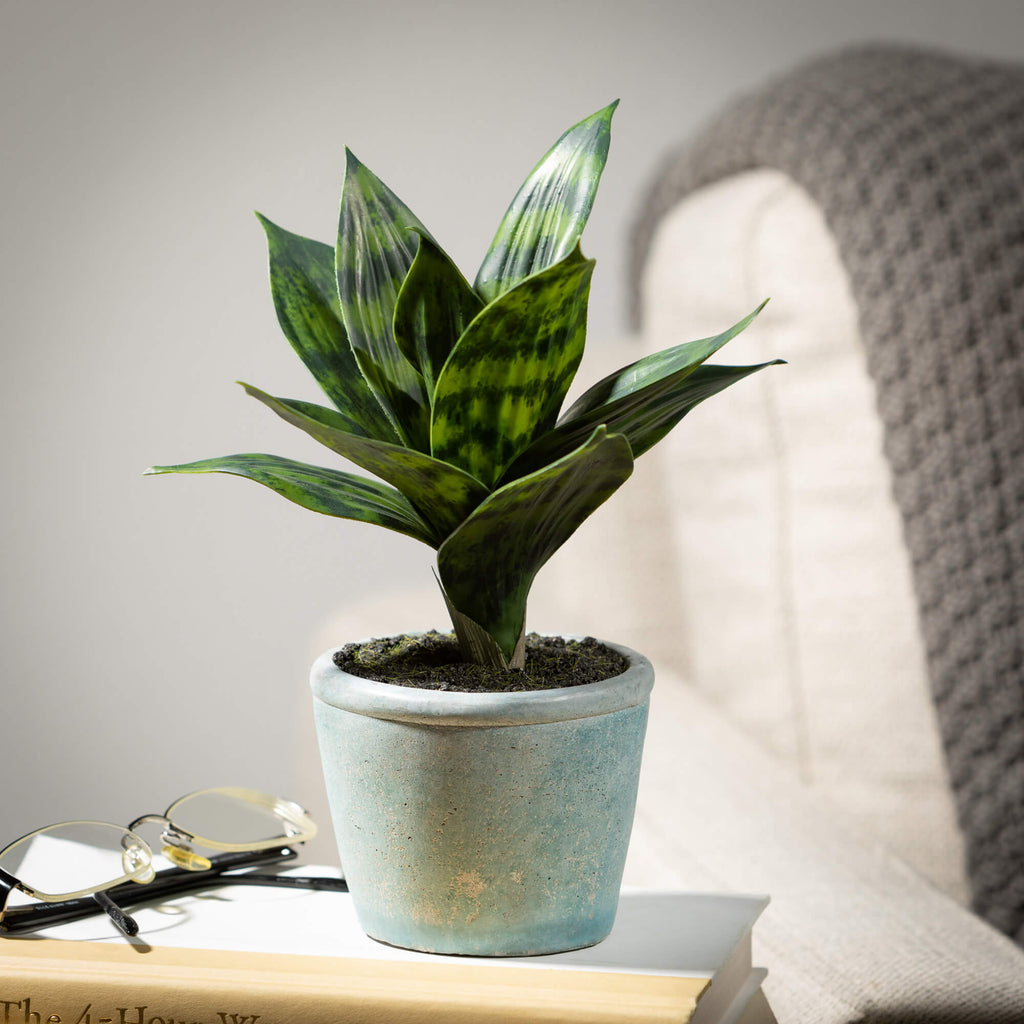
242	955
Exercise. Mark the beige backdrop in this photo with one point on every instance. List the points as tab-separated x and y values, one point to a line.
156	633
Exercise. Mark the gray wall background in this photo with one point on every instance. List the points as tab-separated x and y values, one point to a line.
155	634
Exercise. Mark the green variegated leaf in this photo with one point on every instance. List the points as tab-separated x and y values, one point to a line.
671	362
506	378
435	305
488	564
643	400
546	218
304	286
376	247
644	417
344	495
442	494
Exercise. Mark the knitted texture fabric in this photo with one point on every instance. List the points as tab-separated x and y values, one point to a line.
916	160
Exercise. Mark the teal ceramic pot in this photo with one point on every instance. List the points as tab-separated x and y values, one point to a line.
483	824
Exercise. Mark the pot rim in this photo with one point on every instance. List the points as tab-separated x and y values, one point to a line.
376	699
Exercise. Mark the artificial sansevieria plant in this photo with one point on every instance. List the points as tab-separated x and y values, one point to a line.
450	393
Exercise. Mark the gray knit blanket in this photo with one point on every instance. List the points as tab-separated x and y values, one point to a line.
916	160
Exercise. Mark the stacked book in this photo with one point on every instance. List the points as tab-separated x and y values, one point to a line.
246	955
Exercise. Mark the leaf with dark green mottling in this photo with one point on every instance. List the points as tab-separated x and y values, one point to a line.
643	423
435	305
643	400
304	286
546	218
327	491
506	378
443	495
488	564
376	247
649	370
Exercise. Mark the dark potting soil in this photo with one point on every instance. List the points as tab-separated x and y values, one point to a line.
432	661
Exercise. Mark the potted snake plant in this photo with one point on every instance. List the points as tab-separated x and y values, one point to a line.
488	817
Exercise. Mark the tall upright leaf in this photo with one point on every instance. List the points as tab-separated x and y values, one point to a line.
488	564
508	375
304	288
376	247
547	216
434	306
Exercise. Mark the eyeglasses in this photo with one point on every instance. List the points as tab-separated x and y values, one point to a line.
79	868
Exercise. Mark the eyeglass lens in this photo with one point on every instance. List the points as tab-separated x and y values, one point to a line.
237	817
76	857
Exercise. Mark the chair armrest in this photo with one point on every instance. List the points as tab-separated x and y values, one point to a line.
852	933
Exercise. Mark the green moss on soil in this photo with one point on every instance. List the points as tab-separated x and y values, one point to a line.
432	661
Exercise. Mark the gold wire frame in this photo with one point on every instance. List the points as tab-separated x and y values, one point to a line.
298	825
141	871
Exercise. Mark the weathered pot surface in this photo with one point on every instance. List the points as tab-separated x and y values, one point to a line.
491	824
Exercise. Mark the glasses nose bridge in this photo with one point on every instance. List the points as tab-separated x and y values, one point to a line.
170	833
175	842
150	819
147	819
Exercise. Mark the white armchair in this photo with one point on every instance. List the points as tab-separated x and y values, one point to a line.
846	532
